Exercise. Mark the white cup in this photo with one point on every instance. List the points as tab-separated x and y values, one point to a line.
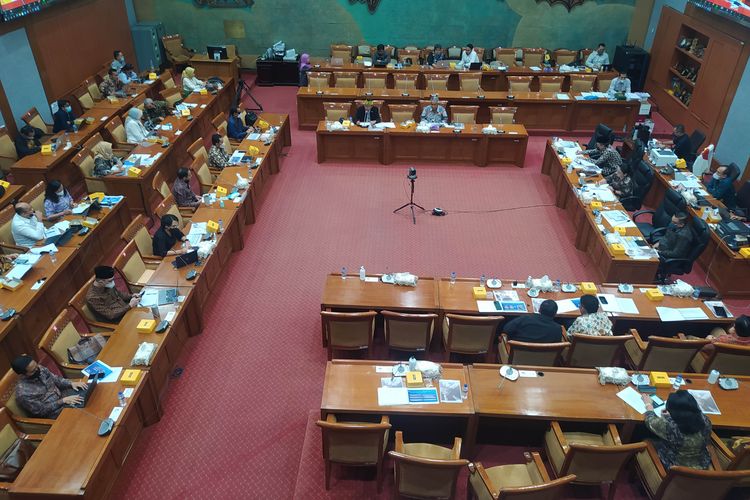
713	376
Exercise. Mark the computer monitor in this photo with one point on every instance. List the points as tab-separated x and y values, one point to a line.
217	52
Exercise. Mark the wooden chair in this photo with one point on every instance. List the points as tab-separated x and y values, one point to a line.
582	83
500	115
479	51
84	160
198	149
175	50
374	80
530	353
738	459
337	110
520	83
728	359
603	82
61	335
205	178
133	267
408	332
348	331
171	96
79	305
35	197
550	83
92	86
400	113
342	51
405	81
436	81
564	56
318	79
32	117
464	114
136	231
666	354
7	243
674	484
115	130
470	82
412	54
167	80
354	444
454	52
424	470
376	103
506	56
8	154
588	351
594	458
533	57
528	481
364	51
84	98
169	206
10	434
18	415
469	334
345	79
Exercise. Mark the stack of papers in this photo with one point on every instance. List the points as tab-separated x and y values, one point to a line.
197	231
45	249
18	271
110	201
617	218
563	97
79	209
616	304
681	314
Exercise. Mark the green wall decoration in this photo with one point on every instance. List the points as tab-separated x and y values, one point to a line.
312	26
371	4
569	4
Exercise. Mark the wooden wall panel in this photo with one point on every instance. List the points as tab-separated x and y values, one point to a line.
72	43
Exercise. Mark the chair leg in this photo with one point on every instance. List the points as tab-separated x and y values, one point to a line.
328	475
380	475
612	488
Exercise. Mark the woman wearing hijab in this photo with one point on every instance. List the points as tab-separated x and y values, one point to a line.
304	67
190	83
134	129
57	200
105	162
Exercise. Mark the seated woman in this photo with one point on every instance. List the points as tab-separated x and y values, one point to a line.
135	131
683	431
105	162
57	201
190	83
621	182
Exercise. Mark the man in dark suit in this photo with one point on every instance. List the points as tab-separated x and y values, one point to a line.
63	117
367	114
538	328
677	240
27	143
680	142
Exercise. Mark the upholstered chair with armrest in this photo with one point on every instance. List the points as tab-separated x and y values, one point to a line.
8	154
684	265
348	331
424	470
7	243
16	446
33	118
530	353
336	111
345	79
666	354
464	114
318	79
727	359
436	81
550	83
133	267
374	80
507	56
205	179
18	415
470	82
400	113
672	203
502	115
588	351
169	206
564	56
136	231
528	481
405	81
472	335
582	83
736	458
175	50
533	57
92	86
79	305
408	332
342	51
61	335
643	178
354	444
115	129
519	83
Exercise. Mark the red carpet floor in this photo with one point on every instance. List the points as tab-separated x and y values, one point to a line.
238	423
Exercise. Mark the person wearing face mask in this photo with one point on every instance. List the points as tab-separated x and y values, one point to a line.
27	143
26	226
235	128
63	117
183	195
119	60
40	392
107	302
167	236
720	187
676	242
609	159
135	131
57	201
217	157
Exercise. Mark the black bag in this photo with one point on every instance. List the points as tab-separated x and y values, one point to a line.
250	118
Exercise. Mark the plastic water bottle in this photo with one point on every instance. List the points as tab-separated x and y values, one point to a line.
121	398
677	382
570	168
221	224
362	273
221	203
713	376
53	256
465	392
482	280
186	245
453	278
68	144
343	273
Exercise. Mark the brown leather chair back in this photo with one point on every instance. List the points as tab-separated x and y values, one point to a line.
437	81
374	80
564	56
346	79
533	57
550	83
337	110
348	331
408	332
520	83
318	79
500	115
470	82
405	81
506	56
464	114
8	154
588	351
400	113
582	83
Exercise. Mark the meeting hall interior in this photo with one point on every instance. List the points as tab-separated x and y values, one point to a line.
374	249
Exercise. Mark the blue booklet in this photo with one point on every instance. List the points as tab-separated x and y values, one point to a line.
427	395
97	368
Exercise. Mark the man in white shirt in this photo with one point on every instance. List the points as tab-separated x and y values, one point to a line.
469	56
598	58
619	85
26	227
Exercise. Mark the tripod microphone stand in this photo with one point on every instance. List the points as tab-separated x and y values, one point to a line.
412	176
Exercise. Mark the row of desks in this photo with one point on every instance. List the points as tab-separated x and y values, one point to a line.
535	110
350	387
406	144
72	461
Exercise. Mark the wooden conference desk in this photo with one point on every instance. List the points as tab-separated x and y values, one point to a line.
226	69
406	144
535	110
490	80
12	193
589	239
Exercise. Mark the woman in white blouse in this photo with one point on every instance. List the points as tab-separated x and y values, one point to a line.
190	83
134	129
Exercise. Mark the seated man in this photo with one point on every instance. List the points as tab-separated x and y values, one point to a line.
127	75
436	55
27	143
591	321
107	302
434	113
609	159
155	111
167	236
598	58
63	117
235	128
619	85
539	328
621	182
367	114
469	56
720	187
26	226
381	57
111	85
119	60
40	392
676	242
217	157
680	142
183	195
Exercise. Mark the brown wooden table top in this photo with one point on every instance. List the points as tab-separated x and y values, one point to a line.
105	215
352	386
575	394
511	131
276	119
124	341
21	298
12	192
424	94
356	294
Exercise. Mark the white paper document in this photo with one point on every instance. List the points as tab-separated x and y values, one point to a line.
634	400
612	304
627	306
450	391
45	249
392	396
79	209
486	306
563	97
18	271
706	401
112	377
115	413
681	314
566	305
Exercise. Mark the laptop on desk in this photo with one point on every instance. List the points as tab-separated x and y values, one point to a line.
62	238
475	66
86	393
185	259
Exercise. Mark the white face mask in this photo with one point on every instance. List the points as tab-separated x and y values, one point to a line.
717	176
61	193
110	284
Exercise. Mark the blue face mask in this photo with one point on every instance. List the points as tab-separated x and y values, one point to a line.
68	109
